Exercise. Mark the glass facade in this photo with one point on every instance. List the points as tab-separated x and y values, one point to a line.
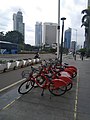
67	38
18	24
38	34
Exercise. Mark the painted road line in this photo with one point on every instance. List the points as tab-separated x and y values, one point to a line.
10	103
76	97
12	85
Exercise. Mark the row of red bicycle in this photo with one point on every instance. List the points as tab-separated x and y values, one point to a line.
51	75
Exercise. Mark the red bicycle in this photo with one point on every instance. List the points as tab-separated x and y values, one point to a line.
56	87
72	70
55	74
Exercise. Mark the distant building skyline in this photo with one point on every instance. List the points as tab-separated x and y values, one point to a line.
73	46
67	38
49	33
18	24
38	34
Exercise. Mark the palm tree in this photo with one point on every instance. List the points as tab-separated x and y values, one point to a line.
86	24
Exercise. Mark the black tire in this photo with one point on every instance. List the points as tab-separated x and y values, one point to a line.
69	86
57	91
25	87
74	74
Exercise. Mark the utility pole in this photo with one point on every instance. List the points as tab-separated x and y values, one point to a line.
58	41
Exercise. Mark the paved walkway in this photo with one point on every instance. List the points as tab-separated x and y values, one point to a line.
74	105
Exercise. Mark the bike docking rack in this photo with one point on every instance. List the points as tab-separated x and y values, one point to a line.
57	78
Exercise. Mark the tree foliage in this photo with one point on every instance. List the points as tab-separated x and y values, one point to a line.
1	36
14	37
85	20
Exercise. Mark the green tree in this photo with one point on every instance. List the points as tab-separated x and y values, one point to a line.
1	36
14	37
86	24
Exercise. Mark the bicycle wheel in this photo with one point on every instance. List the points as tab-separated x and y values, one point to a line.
74	74
26	86
57	91
68	82
69	86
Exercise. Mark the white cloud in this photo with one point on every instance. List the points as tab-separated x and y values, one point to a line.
44	11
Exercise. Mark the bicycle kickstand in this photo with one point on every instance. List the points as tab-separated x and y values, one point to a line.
42	92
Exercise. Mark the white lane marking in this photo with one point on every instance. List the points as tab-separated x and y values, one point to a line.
76	98
12	85
10	103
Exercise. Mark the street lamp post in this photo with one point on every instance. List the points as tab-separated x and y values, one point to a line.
58	41
61	51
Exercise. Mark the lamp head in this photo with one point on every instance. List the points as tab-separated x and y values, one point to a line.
63	18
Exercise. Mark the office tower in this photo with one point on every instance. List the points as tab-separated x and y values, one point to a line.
38	34
18	24
73	46
49	33
67	38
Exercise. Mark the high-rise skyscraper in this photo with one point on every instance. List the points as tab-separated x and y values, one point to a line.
49	33
18	24
38	34
73	46
67	38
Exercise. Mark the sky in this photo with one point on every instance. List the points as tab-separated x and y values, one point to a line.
43	11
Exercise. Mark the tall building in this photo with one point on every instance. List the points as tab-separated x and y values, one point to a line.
38	34
67	38
73	46
49	33
18	24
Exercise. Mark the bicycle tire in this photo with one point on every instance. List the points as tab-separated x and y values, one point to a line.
74	74
57	91
68	82
25	87
69	86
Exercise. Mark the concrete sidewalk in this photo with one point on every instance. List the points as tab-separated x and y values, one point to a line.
74	105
